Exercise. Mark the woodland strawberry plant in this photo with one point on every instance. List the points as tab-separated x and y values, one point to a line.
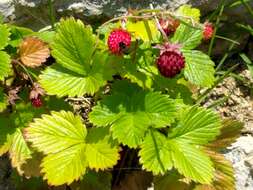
136	73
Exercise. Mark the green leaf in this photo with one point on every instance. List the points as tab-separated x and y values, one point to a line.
78	71
130	111
62	137
58	81
101	152
248	62
18	34
65	166
6	134
73	45
3	100
191	162
181	149
46	136
154	154
199	68
188	11
141	70
4	36
12	125
197	126
5	65
19	151
46	36
188	37
145	30
101	156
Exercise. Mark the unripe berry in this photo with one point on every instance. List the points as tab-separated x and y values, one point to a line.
208	31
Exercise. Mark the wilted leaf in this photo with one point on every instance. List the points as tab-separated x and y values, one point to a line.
224	173
230	131
33	52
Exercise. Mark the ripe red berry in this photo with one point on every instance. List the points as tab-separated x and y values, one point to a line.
37	102
169	25
119	41
208	31
170	63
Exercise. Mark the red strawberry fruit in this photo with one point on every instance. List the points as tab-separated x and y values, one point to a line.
37	102
208	31
119	41
171	61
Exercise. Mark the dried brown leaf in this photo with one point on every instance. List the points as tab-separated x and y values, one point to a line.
224	173
36	91
33	52
230	131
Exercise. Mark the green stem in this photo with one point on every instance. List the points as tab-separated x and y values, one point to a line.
216	25
246	5
228	39
51	13
218	102
224	58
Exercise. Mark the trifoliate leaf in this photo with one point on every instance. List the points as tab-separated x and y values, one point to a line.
230	131
62	137
4	36
130	111
188	37
188	11
190	161
199	68
197	126
3	100
145	30
33	52
159	154
154	154
78	69
5	65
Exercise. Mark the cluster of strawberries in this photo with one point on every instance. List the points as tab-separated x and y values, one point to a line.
171	61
